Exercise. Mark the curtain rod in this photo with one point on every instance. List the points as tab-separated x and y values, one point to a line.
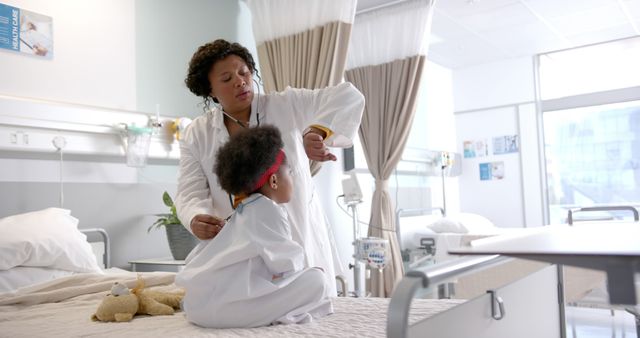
384	5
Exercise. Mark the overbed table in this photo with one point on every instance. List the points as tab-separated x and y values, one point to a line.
613	247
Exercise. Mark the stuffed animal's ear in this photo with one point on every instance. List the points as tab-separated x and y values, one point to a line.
139	285
119	289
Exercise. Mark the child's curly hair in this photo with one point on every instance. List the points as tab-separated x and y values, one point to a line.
205	57
245	157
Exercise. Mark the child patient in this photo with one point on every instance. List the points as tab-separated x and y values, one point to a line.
252	273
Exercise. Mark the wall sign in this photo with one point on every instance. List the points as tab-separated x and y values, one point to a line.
475	148
491	171
505	144
26	32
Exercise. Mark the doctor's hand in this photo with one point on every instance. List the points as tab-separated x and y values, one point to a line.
315	148
206	226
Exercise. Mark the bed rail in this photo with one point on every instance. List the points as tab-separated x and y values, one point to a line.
413	212
106	258
430	276
633	210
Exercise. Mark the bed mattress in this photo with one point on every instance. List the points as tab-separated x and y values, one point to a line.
63	307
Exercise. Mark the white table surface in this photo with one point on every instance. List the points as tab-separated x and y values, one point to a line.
156	264
157	261
605	238
613	247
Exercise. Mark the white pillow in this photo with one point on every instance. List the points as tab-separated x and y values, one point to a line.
447	224
475	223
463	223
47	238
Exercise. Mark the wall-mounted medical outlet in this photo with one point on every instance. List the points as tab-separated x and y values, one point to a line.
18	138
12	139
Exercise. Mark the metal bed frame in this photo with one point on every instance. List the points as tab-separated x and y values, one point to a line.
106	257
502	312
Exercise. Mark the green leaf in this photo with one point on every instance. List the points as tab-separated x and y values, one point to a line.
167	218
151	227
167	199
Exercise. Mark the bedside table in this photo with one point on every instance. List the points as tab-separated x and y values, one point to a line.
156	264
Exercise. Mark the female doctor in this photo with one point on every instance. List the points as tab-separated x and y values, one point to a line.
309	121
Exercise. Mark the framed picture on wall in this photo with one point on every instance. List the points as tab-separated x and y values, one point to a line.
475	148
26	32
505	144
491	171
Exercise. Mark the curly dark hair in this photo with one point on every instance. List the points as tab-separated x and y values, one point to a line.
241	161
205	57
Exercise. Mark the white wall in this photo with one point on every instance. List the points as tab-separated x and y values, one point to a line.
494	84
168	32
498	200
492	100
127	55
436	127
93	60
95	63
531	164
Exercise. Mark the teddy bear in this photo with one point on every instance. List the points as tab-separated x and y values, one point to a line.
121	304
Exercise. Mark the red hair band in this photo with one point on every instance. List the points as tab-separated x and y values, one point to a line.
270	171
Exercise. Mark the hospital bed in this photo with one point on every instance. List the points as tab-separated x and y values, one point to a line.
61	305
426	238
426	232
502	311
532	306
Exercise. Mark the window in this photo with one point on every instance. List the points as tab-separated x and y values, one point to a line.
593	157
590	69
591	119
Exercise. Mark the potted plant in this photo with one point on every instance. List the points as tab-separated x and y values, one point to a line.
181	241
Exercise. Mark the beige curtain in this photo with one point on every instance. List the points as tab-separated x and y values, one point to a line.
390	91
312	59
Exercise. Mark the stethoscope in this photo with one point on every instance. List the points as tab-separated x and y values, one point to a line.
238	122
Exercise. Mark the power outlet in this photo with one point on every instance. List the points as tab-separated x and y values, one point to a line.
18	138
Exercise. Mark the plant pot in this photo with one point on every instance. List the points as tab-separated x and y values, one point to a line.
181	241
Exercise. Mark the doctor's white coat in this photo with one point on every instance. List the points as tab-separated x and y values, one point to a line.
337	108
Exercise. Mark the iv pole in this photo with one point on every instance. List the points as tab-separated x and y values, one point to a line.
353	197
358	277
445	162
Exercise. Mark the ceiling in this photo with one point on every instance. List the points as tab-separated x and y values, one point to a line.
471	32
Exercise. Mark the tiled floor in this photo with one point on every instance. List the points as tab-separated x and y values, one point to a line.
598	323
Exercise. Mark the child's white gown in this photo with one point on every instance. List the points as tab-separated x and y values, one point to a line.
230	282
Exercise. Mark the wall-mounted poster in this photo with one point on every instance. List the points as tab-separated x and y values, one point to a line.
505	144
477	148
26	32
491	171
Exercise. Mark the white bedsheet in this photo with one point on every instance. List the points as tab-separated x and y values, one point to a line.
21	276
62	308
